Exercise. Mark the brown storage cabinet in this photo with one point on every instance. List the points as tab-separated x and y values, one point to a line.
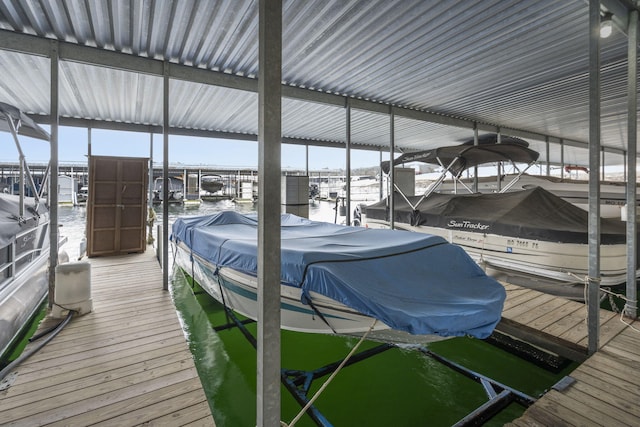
117	205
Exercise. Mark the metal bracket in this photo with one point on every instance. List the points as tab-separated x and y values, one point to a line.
564	383
8	381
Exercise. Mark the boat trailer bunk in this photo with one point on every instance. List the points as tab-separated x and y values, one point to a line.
298	382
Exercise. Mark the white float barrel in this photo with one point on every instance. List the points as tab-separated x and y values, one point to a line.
73	289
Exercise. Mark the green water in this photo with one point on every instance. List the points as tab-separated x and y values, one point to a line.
394	388
23	339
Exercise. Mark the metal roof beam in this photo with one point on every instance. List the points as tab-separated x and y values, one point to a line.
309	95
98	124
621	11
432	117
23	43
33	45
619	8
39	46
157	129
214	78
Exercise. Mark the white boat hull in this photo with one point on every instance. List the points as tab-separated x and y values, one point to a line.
21	298
238	291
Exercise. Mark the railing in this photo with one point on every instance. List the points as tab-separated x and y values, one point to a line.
19	260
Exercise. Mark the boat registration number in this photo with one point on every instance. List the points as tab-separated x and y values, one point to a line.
511	243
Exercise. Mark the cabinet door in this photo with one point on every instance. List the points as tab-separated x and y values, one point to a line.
133	205
117	204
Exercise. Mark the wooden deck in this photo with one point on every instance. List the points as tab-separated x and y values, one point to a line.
126	363
602	391
552	323
605	390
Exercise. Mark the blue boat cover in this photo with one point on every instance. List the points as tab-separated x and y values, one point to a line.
415	282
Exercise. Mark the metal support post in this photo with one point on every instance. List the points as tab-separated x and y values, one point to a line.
631	308
593	291
548	148
151	213
561	159
269	198
475	167
53	180
347	218
381	174
165	178
392	177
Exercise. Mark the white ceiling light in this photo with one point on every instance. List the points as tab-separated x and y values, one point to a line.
606	26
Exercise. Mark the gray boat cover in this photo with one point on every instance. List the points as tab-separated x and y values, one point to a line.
412	282
488	150
528	214
27	126
10	222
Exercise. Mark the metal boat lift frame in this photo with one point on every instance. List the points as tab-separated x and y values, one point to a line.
298	382
17	122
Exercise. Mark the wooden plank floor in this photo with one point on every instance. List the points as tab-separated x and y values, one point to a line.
126	363
606	387
552	323
606	390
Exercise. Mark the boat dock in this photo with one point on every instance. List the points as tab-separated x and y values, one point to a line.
552	323
605	389
125	363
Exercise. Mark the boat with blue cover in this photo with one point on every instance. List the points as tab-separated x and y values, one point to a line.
413	288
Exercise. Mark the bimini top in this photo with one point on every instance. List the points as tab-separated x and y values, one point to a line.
413	282
467	155
25	126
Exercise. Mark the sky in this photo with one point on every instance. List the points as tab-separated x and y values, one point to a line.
73	147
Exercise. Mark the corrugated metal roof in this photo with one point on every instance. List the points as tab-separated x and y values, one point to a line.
514	64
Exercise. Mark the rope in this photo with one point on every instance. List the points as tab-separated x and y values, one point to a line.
627	303
584	279
628	324
320	315
611	294
326	383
